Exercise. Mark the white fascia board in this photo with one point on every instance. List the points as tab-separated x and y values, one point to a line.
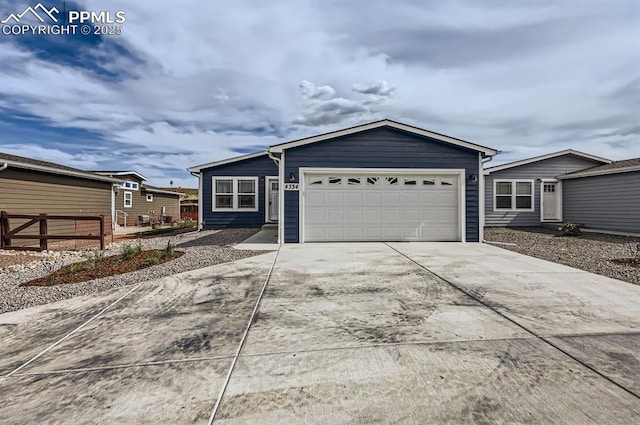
166	192
199	168
599	173
384	123
490	170
122	173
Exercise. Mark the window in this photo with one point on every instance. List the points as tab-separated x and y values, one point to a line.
235	193
445	181
335	180
353	181
428	182
513	195
128	199
410	182
373	180
130	185
392	180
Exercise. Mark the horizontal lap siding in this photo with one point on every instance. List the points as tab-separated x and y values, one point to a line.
547	169
26	192
608	202
140	206
260	167
170	202
380	148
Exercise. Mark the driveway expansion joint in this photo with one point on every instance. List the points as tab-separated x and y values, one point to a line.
124	366
513	321
70	334
242	341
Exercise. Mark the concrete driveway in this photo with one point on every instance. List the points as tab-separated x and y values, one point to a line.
411	333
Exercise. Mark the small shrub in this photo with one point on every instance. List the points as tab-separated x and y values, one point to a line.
570	229
129	251
169	250
154	258
81	266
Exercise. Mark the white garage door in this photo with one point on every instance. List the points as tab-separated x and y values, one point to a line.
380	207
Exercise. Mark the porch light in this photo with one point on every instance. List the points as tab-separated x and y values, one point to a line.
473	177
292	177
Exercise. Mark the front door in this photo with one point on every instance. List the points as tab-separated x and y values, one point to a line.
550	202
273	199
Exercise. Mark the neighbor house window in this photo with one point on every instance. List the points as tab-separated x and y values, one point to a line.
130	185
235	193
128	199
149	197
513	195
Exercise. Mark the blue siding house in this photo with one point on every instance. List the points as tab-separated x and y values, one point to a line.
382	181
235	192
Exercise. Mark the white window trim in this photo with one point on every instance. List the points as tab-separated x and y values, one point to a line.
513	195
132	185
149	197
124	202
234	194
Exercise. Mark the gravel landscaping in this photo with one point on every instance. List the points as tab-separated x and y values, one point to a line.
592	252
201	249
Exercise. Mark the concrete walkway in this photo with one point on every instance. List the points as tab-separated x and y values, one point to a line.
410	333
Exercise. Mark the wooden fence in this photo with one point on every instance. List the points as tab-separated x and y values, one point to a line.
7	235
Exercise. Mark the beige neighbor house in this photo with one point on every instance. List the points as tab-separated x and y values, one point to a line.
188	202
29	186
136	202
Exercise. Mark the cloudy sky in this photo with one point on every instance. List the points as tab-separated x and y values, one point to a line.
191	82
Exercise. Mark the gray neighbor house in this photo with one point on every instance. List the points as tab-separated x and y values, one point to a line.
389	181
565	186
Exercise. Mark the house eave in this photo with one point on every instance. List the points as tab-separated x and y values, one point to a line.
160	191
69	173
384	123
122	173
521	162
199	168
599	173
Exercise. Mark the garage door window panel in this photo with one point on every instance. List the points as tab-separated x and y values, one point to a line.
235	194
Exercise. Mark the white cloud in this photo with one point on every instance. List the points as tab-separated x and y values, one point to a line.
211	80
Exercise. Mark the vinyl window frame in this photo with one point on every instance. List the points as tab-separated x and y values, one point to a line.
124	202
149	197
130	185
514	195
235	194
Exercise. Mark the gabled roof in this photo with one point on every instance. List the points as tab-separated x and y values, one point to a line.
16	161
615	167
121	173
545	157
198	168
384	123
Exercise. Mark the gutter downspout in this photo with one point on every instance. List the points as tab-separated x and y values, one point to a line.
278	162
200	205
